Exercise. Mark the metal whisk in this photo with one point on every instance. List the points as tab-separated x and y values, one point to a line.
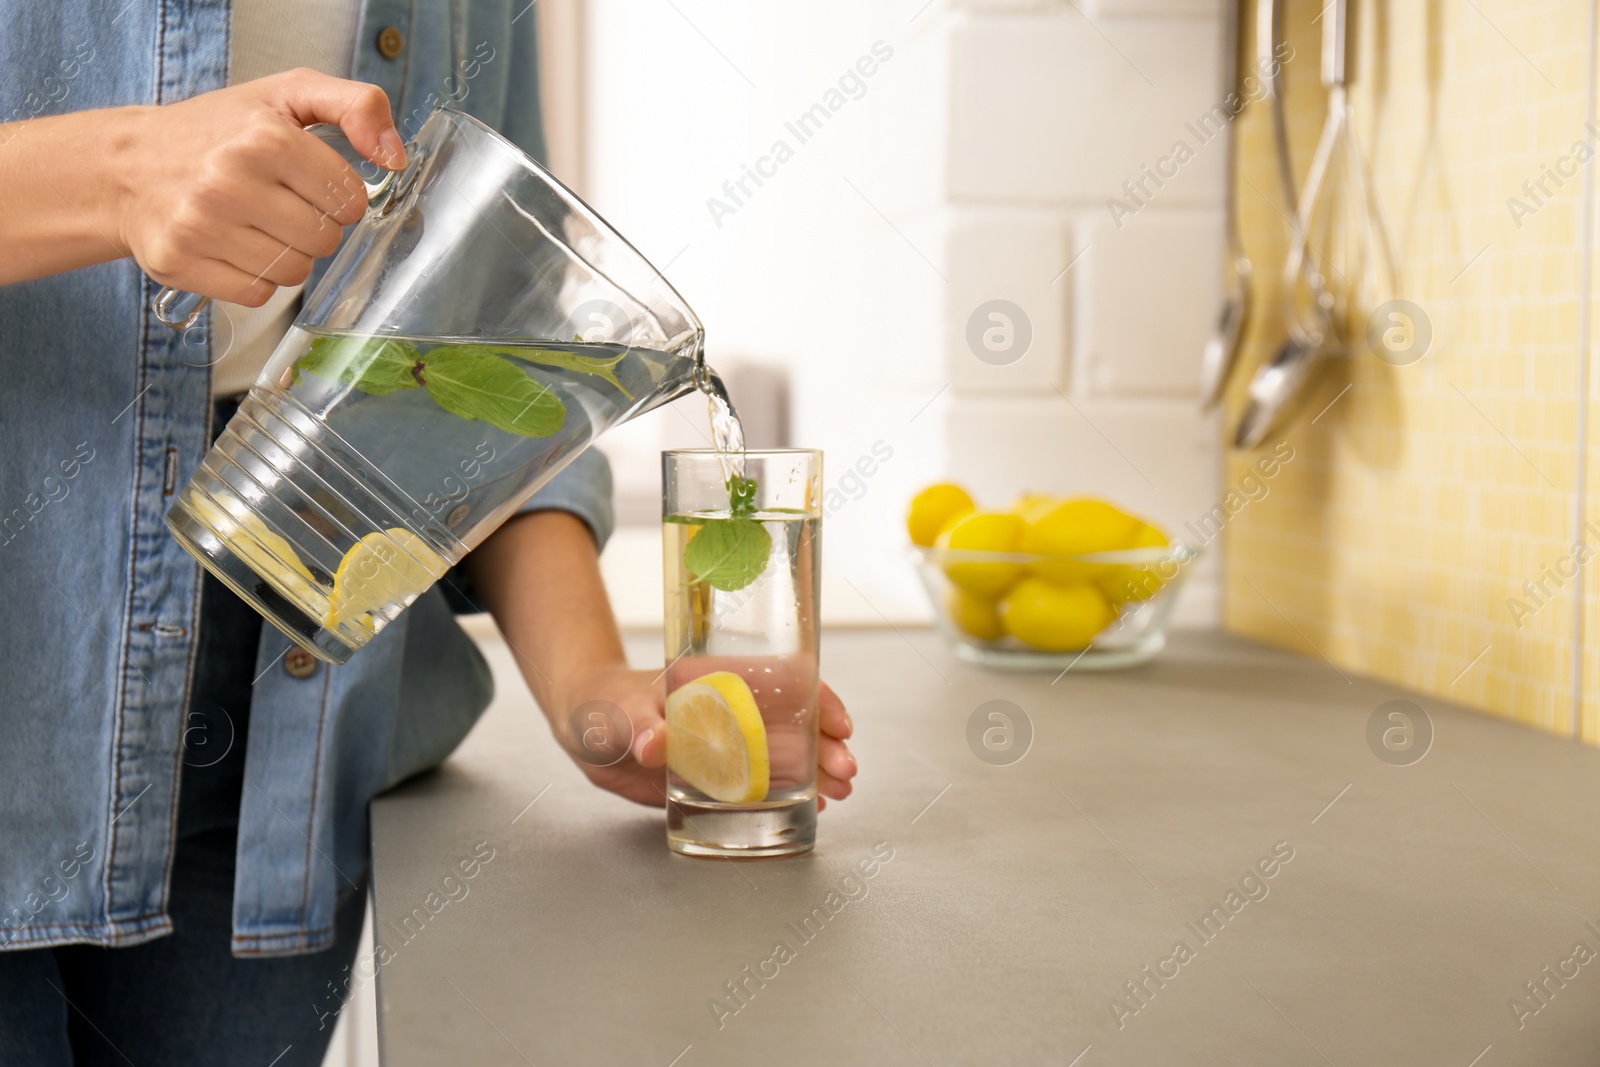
1341	266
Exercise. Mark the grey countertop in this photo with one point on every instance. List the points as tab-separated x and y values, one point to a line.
1011	902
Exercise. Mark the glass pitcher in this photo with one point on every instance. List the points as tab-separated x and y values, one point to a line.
479	328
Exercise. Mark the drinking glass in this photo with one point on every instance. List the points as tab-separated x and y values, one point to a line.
742	571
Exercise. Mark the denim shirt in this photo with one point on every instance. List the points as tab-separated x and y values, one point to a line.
104	413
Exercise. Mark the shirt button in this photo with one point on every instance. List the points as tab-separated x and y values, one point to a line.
391	42
299	663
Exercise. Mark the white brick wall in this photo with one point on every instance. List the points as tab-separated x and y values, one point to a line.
1093	9
974	167
1149	294
1052	107
1096	9
1016	254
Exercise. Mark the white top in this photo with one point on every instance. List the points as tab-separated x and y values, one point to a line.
268	37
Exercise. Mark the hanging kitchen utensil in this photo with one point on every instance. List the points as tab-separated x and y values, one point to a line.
1278	380
1276	387
1344	262
1339	260
1269	58
1222	349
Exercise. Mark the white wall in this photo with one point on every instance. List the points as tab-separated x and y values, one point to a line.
975	165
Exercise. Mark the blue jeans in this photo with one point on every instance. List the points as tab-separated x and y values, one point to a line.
184	999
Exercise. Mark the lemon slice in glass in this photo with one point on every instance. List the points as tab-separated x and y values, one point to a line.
381	568
716	740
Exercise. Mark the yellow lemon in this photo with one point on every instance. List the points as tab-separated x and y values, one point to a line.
1034	506
984	531
716	740
1077	527
381	568
934	509
267	553
973	615
1055	617
264	550
1122	582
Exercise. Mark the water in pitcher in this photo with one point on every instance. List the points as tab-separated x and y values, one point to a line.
518	407
463	431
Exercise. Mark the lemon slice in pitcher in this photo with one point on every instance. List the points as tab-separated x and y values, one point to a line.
383	567
247	536
270	555
716	740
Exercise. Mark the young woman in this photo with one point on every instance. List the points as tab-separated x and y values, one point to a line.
182	796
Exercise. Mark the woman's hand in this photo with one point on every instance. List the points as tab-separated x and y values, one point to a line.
226	195
613	727
539	575
223	194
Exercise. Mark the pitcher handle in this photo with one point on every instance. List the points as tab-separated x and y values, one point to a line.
180	309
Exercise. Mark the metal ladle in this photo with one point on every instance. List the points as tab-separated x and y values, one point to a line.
1222	349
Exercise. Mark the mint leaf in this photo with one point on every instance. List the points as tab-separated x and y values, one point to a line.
478	385
550	357
728	554
742	495
371	364
573	361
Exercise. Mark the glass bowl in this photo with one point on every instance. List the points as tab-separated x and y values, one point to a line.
1143	585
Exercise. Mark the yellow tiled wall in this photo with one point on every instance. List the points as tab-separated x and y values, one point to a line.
1419	503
